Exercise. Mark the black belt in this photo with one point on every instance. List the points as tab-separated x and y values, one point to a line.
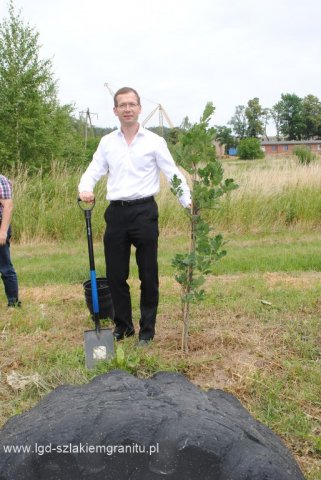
127	203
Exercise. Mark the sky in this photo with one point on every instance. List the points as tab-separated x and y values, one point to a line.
177	53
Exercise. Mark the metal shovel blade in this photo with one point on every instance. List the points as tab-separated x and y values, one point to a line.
98	346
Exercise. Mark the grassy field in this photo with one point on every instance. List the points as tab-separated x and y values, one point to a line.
257	334
273	196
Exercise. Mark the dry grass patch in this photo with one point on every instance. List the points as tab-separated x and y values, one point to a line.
270	177
300	281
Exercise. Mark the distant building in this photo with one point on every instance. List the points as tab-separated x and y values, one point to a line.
232	151
286	147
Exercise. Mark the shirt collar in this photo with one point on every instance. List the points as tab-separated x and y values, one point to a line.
141	130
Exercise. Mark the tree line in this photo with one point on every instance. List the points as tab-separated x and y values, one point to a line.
294	118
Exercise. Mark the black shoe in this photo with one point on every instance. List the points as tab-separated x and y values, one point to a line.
15	303
120	334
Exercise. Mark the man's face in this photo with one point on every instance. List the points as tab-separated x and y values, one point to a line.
127	109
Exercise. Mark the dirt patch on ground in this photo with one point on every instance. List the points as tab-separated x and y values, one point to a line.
223	352
302	281
50	292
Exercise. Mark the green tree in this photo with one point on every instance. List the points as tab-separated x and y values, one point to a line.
239	122
275	113
172	137
311	114
255	116
250	149
196	154
225	137
34	128
290	116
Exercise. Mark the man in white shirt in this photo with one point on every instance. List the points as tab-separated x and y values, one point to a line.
132	157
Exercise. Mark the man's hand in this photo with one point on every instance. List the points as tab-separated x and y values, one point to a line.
3	237
87	197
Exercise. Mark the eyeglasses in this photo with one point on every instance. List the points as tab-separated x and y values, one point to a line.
129	106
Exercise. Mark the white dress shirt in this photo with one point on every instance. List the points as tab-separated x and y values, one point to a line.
133	170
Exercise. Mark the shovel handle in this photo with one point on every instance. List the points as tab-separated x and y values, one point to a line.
86	206
97	327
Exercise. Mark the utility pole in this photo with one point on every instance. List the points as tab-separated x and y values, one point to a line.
87	123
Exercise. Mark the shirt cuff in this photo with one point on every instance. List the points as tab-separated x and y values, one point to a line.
185	200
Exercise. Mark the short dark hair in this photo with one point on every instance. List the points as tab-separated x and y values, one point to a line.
123	90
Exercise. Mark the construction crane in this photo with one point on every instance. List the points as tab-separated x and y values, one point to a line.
161	114
160	109
109	89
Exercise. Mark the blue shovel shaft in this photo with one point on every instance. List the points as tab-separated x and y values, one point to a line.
93	281
94	291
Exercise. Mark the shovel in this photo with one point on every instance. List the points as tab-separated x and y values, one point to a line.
99	343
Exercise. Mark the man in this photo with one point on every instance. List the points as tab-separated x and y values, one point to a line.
8	274
132	157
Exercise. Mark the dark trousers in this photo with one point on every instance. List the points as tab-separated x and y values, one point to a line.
133	225
8	274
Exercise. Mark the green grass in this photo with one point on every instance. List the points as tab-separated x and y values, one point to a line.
257	334
68	261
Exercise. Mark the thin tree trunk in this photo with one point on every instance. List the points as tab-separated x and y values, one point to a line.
190	273
185	311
